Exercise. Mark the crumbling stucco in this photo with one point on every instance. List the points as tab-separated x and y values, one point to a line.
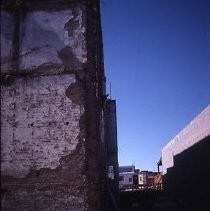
53	33
7	30
52	157
40	124
53	37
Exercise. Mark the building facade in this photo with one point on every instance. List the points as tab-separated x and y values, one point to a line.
197	130
126	176
185	164
112	155
53	154
131	178
142	178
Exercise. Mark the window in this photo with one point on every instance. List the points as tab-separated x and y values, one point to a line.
111	172
121	178
130	179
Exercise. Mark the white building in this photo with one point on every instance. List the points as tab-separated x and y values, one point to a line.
194	132
142	178
131	178
126	174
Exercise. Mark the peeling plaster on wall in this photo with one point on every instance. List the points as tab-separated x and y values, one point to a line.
40	124
7	30
73	93
52	156
68	58
52	32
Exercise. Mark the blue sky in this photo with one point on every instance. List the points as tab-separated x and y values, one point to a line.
157	58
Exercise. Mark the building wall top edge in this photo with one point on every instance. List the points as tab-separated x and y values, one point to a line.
199	127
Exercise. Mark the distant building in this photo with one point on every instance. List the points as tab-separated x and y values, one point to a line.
126	174
158	181
126	169
150	178
131	178
185	163
142	178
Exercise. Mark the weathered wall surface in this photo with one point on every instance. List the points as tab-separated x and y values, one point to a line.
44	198
196	131
57	38
112	154
40	123
7	32
53	87
45	162
39	39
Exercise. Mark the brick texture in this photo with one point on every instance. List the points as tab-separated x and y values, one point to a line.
52	95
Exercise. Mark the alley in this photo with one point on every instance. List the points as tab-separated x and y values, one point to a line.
147	200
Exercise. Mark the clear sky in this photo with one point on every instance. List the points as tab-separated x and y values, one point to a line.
157	58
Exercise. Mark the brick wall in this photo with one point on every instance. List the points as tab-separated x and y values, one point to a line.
40	124
52	104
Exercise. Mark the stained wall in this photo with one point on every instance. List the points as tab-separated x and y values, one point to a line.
46	96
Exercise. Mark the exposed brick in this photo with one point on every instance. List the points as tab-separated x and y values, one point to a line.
52	102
